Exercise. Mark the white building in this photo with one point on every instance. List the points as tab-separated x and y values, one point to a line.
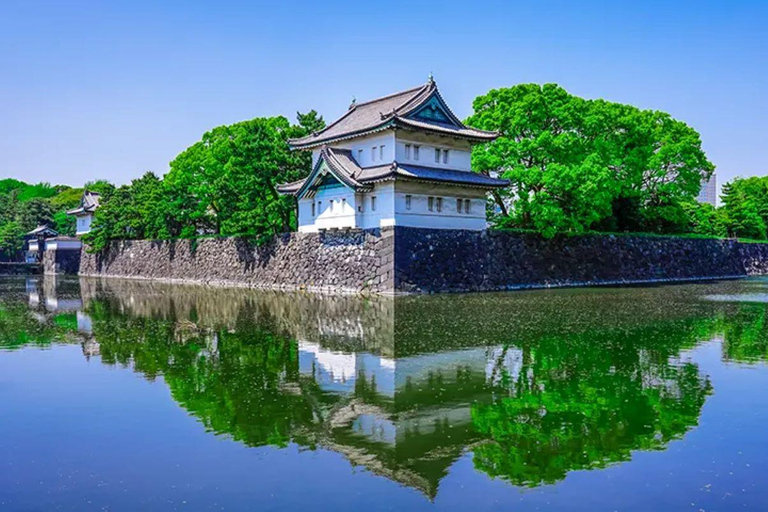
36	242
89	202
708	193
400	160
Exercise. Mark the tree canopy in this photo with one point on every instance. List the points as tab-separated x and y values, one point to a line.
577	164
224	184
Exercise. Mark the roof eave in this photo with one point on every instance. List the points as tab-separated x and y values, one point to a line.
294	144
479	138
486	186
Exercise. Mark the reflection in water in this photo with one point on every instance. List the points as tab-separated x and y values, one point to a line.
534	385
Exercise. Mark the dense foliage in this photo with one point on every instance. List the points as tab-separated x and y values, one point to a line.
24	206
225	184
576	165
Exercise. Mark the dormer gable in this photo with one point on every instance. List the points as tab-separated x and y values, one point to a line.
334	168
434	110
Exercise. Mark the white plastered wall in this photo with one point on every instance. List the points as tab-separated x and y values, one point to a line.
459	152
334	208
83	224
419	215
367	151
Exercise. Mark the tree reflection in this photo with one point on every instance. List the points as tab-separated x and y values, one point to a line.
745	334
533	385
589	410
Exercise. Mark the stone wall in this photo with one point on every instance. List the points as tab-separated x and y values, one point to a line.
413	260
428	261
61	261
340	260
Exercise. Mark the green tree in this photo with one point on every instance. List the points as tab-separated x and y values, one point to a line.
745	201
134	211
33	213
578	164
11	239
705	219
226	183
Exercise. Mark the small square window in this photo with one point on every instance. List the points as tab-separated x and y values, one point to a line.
467	204
431	203
439	204
416	152
381	152
408	202
373	154
458	205
445	156
313	208
407	151
373	203
360	156
437	155
343	204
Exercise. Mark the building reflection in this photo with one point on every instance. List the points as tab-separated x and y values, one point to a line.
532	385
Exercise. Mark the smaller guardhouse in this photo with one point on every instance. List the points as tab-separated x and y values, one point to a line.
89	202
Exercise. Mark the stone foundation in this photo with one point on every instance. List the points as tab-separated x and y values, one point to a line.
429	261
61	261
339	260
413	260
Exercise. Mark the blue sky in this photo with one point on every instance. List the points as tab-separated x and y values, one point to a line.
113	89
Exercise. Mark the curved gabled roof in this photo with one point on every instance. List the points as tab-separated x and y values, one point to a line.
89	201
388	112
342	165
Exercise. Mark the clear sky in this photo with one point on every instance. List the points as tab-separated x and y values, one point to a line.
115	88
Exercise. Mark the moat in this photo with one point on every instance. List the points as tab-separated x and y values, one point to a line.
129	395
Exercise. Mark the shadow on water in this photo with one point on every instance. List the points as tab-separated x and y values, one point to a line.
533	384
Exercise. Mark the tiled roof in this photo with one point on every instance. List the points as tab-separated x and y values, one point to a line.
444	129
88	203
341	164
63	239
389	112
344	168
450	176
43	230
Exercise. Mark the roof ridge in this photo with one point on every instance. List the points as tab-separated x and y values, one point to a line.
428	87
330	154
354	107
389	96
318	132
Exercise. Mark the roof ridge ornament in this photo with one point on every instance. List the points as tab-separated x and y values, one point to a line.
353	103
431	78
391	113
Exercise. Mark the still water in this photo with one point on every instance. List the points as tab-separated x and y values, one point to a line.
127	396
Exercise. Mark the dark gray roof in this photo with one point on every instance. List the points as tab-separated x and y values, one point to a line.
344	167
63	239
43	230
450	176
341	164
88	203
391	112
